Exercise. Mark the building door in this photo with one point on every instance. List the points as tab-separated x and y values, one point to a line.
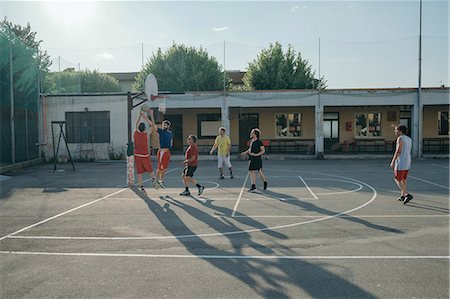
405	119
330	131
247	122
177	130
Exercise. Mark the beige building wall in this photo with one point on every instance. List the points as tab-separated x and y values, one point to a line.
267	123
347	114
430	121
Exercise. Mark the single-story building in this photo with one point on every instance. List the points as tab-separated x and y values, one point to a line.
303	122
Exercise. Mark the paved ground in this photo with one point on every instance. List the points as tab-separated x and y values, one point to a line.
327	228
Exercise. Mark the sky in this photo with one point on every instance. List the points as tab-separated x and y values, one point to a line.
352	44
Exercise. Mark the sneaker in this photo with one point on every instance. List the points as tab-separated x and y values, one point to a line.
407	199
231	176
401	198
251	190
185	193
160	183
221	177
265	186
200	190
143	190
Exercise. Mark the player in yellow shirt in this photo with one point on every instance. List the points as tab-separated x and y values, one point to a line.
223	144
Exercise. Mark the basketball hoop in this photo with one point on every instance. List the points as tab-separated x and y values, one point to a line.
151	91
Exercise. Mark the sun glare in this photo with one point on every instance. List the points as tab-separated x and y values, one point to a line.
71	12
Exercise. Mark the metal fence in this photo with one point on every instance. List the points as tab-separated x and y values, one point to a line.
19	100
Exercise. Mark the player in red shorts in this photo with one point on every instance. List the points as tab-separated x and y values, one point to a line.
401	162
141	153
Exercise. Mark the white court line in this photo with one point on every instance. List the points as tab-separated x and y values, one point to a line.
203	196
340	192
237	232
441	166
442	186
67	212
342	216
246	257
240	195
308	188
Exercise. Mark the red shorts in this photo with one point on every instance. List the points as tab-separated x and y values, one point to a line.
400	175
143	164
163	159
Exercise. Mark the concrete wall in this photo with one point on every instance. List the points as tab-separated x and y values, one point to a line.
54	109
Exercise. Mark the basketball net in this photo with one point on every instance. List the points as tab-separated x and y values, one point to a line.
162	105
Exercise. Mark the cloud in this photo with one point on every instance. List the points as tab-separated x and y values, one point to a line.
297	9
220	29
105	56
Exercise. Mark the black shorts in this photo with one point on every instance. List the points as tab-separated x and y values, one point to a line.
255	164
189	171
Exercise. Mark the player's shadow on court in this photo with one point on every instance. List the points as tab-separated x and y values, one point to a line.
427	207
248	221
308	206
268	278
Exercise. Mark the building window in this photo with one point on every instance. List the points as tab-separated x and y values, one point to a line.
288	125
88	127
443	123
208	125
368	124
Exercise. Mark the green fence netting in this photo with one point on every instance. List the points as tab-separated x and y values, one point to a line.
19	99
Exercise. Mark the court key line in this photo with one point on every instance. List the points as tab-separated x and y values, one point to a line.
304	257
240	195
315	197
69	211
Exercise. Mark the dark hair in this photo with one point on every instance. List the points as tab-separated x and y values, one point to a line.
257	132
141	127
402	129
193	138
167	122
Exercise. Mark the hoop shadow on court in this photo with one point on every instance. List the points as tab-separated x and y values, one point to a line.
266	277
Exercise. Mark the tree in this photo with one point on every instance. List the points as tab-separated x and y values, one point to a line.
274	70
28	37
182	68
70	81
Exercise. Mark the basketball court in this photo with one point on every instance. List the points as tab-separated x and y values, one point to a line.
322	229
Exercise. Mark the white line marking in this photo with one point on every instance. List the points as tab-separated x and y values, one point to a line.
259	198
375	194
343	216
340	192
291	257
441	166
240	195
61	214
67	212
442	186
308	188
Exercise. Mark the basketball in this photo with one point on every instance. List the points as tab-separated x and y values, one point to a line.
144	108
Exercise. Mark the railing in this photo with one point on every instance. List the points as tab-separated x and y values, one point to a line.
375	146
435	145
300	147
